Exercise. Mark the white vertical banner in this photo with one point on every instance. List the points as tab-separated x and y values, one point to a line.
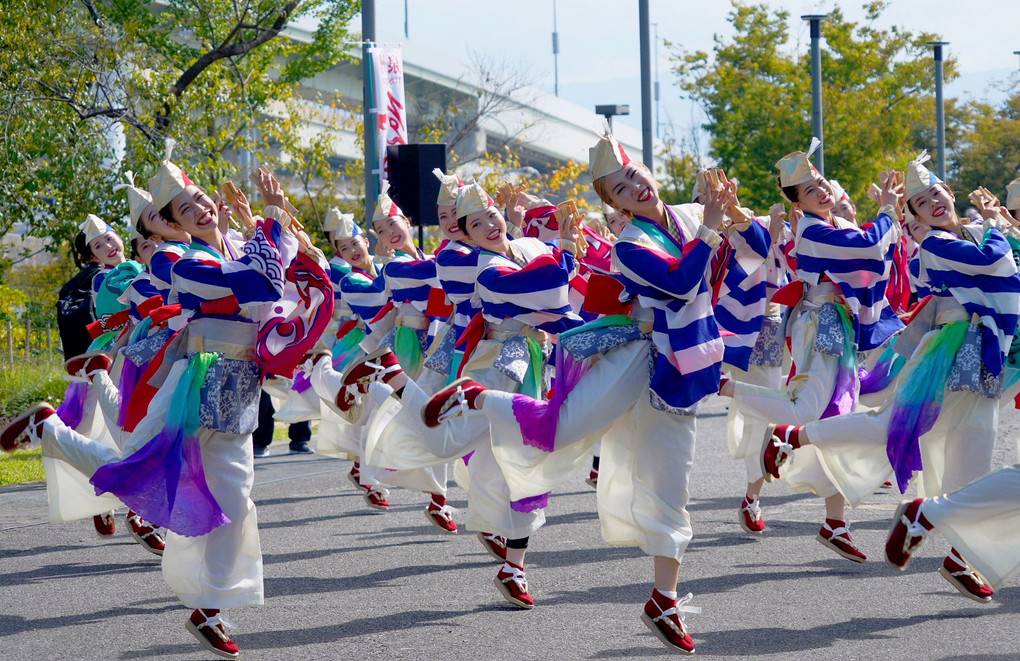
388	88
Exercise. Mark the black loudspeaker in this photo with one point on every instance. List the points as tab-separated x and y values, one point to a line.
412	185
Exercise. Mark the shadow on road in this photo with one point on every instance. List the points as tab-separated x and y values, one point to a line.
78	570
12	624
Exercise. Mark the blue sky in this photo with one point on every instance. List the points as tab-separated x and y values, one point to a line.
599	63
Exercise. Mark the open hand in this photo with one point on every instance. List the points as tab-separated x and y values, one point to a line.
777	221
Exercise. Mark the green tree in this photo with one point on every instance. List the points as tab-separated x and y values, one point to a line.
988	151
756	91
220	76
679	169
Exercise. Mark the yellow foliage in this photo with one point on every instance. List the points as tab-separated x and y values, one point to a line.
11	301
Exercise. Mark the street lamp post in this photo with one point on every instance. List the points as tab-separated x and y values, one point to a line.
556	54
371	153
610	111
940	110
655	26
816	85
647	141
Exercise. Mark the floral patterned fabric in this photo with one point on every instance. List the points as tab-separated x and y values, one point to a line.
145	349
657	402
441	360
600	340
768	348
230	397
969	373
830	338
514	358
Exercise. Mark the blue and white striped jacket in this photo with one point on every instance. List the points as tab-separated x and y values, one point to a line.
982	277
858	260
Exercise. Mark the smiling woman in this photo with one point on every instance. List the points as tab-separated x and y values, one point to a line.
195	213
843	271
657	357
630	191
187	462
942	417
106	246
391	227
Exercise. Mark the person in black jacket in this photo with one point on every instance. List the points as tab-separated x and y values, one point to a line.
74	303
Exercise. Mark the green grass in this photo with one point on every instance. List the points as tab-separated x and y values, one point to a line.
32	381
21	386
21	466
280	431
28	383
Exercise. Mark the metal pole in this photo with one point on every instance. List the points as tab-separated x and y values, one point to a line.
647	142
28	338
10	342
656	27
407	34
49	338
1016	52
556	54
371	152
940	109
815	21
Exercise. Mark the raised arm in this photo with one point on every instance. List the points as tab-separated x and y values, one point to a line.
655	273
254	278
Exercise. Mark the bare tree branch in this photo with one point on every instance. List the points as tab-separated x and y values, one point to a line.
93	12
88	112
226	50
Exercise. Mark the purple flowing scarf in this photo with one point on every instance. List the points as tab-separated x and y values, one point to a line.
919	401
539	419
73	409
888	367
844	393
130	375
530	504
164	482
302	382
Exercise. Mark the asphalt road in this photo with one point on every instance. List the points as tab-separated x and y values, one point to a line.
344	582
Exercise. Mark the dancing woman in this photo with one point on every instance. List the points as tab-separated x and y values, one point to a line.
204	413
523	287
639	395
944	415
839	307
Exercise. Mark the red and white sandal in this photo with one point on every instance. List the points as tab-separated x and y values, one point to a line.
665	618
906	535
455	399
25	430
375	497
105	524
513	585
749	516
838	539
208	626
381	365
495	545
962	577
84	368
777	449
440	515
145	534
354	477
